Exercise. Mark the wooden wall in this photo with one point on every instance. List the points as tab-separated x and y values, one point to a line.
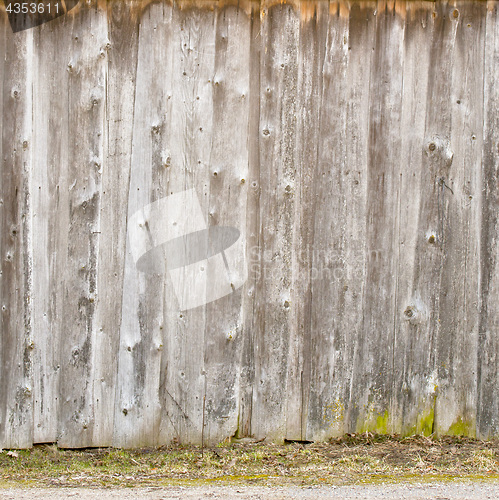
354	147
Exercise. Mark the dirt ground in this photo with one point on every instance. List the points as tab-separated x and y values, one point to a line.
360	461
439	491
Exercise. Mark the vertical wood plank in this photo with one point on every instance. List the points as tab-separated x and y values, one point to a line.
457	391
374	361
228	188
312	43
422	312
278	125
51	145
86	159
247	361
488	346
339	233
120	53
16	399
414	382
137	409
184	376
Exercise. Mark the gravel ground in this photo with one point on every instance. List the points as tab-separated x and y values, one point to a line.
454	490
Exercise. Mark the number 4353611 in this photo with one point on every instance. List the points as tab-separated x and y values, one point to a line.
33	8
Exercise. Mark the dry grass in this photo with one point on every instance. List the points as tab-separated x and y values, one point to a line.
351	459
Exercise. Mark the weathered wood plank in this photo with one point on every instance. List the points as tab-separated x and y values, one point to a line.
279	32
228	193
422	311
120	53
16	397
191	138
457	392
81	344
252	233
312	43
372	378
137	411
339	188
488	347
414	387
51	219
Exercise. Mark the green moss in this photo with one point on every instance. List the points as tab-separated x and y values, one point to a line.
382	423
236	478
462	428
424	424
378	424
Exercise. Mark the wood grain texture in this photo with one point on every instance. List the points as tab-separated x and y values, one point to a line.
278	125
81	346
224	334
51	221
16	414
349	149
412	347
487	354
121	50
